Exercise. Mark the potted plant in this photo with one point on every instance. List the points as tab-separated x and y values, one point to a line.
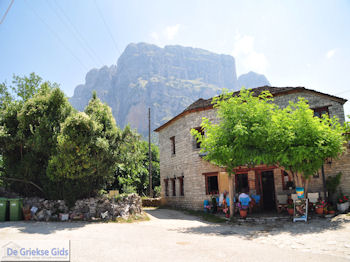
243	210
343	203
290	209
331	210
319	206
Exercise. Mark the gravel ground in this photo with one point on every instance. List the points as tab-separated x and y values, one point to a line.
174	236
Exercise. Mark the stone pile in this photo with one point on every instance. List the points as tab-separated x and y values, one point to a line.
99	208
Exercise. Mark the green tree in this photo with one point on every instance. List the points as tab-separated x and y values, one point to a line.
252	130
30	123
241	136
302	142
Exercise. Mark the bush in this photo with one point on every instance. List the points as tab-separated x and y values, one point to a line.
156	191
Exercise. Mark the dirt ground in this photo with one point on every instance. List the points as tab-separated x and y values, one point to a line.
174	236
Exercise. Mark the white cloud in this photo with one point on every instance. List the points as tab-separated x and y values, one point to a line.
330	53
171	31
155	36
165	35
246	55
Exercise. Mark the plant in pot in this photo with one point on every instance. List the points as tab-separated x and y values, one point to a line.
243	210
319	206
290	209
343	203
331	210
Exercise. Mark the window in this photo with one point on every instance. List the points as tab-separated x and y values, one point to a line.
241	182
201	131
166	183
285	179
173	186
211	183
181	181
321	111
172	139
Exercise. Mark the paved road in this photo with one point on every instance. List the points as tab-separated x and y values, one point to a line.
173	236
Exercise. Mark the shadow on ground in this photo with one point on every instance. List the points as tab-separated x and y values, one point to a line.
251	230
42	228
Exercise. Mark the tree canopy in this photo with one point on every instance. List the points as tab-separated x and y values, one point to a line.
47	148
252	130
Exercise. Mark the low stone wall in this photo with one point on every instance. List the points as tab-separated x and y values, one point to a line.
89	209
151	202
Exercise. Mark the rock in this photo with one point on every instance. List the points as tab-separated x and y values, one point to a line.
166	79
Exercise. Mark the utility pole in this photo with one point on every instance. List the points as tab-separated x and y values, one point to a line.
149	154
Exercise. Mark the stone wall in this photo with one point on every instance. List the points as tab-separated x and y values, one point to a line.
186	161
315	101
85	209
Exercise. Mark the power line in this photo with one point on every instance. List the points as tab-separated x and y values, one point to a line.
8	9
67	26
82	38
107	27
58	37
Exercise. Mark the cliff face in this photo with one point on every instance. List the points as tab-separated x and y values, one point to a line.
166	79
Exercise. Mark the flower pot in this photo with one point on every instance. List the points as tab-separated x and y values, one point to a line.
291	211
243	213
343	207
331	212
319	210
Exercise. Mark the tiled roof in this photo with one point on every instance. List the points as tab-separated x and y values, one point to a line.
202	104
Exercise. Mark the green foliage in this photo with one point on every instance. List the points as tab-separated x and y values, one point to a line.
347	129
333	182
303	142
157	190
242	134
252	130
49	149
132	170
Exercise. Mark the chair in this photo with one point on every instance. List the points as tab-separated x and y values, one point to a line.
313	198
206	205
257	201
282	203
294	197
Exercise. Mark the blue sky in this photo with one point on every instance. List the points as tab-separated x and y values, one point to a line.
294	43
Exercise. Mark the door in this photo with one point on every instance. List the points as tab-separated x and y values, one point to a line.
268	190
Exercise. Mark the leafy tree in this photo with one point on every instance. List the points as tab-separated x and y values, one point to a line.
302	142
241	136
347	129
30	123
252	130
132	170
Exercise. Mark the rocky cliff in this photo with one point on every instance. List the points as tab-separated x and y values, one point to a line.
166	79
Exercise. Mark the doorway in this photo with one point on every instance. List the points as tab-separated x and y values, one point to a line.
268	190
241	183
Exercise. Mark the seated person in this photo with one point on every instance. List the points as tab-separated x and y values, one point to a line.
245	195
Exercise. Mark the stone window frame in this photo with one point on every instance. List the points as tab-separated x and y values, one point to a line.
173	186
284	182
196	144
173	147
166	186
181	184
210	174
321	110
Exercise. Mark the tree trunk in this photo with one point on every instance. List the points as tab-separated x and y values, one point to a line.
306	186
231	189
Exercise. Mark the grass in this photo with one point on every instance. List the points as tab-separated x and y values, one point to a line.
134	218
201	214
206	216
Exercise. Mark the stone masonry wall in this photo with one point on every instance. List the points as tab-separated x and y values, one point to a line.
187	162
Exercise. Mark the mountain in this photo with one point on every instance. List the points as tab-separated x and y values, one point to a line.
166	79
251	80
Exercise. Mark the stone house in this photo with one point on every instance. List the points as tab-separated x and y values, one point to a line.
187	179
